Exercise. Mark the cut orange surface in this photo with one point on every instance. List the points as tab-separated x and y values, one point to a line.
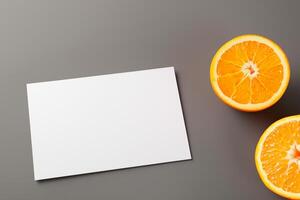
250	73
277	157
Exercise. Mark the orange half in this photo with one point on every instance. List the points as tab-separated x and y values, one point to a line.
277	157
250	73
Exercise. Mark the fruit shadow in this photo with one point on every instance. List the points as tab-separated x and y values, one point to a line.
257	122
288	105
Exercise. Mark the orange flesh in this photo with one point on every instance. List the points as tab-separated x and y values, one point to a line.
244	83
282	168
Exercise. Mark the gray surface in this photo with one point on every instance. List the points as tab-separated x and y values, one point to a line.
49	40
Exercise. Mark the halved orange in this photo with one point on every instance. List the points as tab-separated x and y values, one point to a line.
250	73
277	157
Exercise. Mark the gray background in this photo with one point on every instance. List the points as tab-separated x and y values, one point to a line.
49	40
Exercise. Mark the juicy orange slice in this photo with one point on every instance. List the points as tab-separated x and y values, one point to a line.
250	73
277	157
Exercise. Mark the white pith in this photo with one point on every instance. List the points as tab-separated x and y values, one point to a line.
294	150
250	69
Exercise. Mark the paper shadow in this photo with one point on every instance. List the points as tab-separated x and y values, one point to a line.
183	113
67	177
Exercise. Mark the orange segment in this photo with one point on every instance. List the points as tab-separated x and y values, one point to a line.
250	73
277	157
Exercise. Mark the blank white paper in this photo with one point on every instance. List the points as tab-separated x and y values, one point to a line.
106	122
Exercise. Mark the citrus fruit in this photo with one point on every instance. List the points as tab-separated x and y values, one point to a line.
250	73
277	157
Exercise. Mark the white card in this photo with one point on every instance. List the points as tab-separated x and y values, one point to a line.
106	122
